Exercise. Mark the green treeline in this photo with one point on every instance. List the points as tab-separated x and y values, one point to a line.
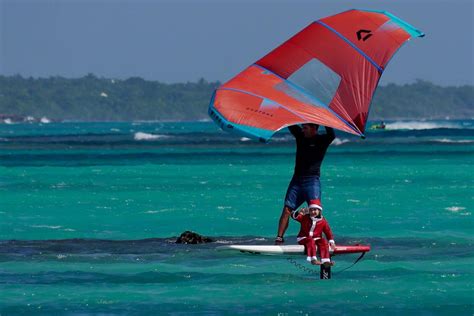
422	99
98	99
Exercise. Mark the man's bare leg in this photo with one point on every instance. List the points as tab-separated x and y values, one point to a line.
283	224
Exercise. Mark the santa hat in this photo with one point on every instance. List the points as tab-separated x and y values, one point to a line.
315	204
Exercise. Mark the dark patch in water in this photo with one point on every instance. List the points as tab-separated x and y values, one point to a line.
189	237
157	249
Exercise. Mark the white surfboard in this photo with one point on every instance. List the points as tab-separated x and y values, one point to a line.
288	249
265	249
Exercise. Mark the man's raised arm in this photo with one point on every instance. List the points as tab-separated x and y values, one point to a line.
330	133
295	130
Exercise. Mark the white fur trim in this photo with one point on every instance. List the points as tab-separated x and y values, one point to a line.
313	226
308	258
323	260
315	206
332	241
294	214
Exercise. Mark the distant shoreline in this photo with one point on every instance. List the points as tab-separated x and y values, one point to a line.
93	99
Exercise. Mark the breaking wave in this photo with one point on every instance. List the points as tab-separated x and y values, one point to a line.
338	141
422	125
147	136
454	141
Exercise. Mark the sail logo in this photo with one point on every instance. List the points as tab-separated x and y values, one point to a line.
360	34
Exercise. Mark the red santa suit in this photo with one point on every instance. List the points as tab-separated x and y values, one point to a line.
311	234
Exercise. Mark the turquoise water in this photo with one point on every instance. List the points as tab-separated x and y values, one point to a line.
89	213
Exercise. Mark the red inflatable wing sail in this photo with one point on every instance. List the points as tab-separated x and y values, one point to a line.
326	74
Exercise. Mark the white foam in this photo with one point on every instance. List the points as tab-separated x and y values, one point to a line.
244	139
146	136
339	141
46	226
453	141
158	211
223	242
7	121
59	185
239	265
420	125
103	207
455	209
45	120
285	138
353	201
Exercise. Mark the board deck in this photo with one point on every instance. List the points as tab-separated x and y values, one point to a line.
289	249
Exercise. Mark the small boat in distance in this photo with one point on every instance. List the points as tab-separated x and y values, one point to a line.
378	126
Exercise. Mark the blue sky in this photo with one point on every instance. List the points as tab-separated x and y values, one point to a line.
178	41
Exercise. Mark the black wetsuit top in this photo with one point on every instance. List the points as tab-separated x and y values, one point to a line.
310	151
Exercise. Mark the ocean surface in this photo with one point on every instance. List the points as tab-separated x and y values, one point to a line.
89	213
